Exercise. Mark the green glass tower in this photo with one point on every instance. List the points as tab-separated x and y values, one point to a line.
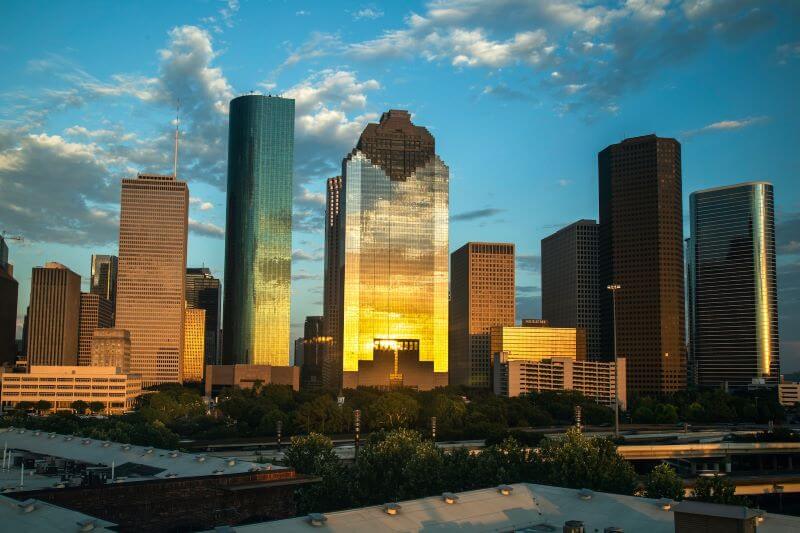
258	235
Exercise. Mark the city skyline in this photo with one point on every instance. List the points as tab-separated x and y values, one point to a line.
719	137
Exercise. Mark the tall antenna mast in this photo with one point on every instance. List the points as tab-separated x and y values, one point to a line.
177	127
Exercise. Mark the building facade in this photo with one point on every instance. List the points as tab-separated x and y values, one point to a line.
9	293
96	313
570	281
332	365
219	377
534	343
203	292
63	385
733	302
393	255
641	250
53	316
112	347
258	235
482	295
103	277
594	379
152	267
314	347
194	344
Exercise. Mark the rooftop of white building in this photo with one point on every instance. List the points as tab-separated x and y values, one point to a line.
43	517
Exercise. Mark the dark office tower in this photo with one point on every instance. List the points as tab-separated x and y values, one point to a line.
203	292
482	295
103	280
734	308
393	258
315	346
96	313
9	290
54	316
258	235
570	286
332	365
151	290
641	250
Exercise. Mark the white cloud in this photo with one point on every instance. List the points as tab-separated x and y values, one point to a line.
207	229
369	12
787	52
302	13
201	204
302	255
728	125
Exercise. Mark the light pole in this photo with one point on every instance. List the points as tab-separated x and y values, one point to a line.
614	288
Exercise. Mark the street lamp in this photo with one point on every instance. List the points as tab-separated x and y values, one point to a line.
614	287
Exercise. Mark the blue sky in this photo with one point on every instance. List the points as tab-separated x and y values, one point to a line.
520	95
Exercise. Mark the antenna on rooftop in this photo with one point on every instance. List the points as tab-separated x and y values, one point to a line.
177	129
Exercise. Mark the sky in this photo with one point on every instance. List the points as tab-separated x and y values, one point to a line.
520	95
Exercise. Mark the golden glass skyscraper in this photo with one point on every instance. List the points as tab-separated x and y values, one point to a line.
152	272
258	234
194	344
393	258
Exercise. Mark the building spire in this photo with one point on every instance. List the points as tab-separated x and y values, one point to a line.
177	129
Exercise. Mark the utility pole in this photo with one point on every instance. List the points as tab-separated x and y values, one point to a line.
614	288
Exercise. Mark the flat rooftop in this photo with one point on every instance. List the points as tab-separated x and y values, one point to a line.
43	517
527	508
130	462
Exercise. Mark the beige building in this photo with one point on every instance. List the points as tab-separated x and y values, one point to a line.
194	344
96	312
62	385
54	315
482	295
789	393
152	272
538	341
219	377
111	347
595	380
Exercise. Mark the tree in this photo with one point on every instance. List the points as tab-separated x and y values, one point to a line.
575	460
322	414
393	410
313	455
664	482
716	489
79	406
96	407
25	405
42	406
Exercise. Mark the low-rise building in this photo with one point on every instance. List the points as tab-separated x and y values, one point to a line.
789	393
219	377
595	380
63	385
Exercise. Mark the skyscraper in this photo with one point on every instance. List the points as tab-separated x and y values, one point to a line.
482	295
112	347
54	315
641	250
258	235
733	302
392	253
103	279
315	346
570	284
152	273
194	344
202	292
96	313
332	365
9	292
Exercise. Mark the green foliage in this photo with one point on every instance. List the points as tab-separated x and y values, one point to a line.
313	455
717	489
171	404
96	407
664	482
322	414
708	406
43	405
79	406
578	461
393	410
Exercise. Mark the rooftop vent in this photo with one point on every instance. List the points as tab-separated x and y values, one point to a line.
218	472
665	503
21	431
573	526
317	519
125	447
37	433
170	475
149	451
231	462
86	442
59	485
51	436
87	525
201	458
585	494
391	508
28	505
173	454
505	490
106	444
68	438
449	498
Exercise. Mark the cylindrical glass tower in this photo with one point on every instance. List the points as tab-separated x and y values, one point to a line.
258	234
